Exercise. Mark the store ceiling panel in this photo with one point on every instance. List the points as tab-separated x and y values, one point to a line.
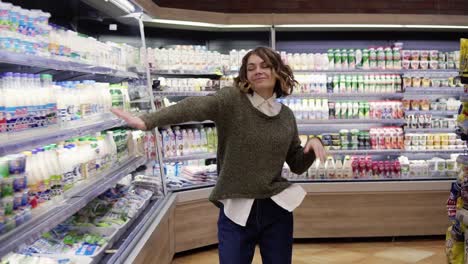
447	7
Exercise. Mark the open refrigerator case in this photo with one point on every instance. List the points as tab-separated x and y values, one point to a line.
457	203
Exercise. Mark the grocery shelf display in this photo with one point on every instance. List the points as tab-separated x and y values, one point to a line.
61	149
385	113
367	89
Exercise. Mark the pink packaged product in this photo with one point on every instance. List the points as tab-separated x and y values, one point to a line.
406	54
433	64
434	54
405	64
424	64
424	55
415	54
414	64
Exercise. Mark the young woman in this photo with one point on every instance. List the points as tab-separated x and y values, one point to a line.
256	135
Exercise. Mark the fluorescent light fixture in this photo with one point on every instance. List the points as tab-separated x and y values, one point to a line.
338	26
369	26
436	26
203	24
125	5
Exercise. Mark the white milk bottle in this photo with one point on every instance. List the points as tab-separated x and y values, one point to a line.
172	142
330	168
30	173
347	168
339	169
321	172
325	109
196	134
210	139
204	140
110	144
45	174
312	172
185	143
305	109
179	142
191	141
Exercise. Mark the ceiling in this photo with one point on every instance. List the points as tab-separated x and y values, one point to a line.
447	7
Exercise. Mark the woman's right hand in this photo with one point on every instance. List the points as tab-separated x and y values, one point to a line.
131	120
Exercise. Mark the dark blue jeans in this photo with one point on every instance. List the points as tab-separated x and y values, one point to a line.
269	225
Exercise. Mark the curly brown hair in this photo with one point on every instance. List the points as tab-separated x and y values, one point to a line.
285	81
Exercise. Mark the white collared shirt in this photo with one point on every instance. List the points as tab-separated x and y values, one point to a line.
238	209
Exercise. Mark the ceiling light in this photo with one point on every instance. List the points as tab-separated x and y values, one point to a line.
125	5
203	24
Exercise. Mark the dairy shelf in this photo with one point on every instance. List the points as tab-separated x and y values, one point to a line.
393	152
33	138
434	90
429	130
349	96
192	187
190	157
431	73
412	179
431	112
199	93
304	123
44	219
59	65
187	74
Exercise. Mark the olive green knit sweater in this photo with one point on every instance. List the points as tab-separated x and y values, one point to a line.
252	147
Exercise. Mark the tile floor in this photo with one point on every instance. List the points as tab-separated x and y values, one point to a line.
374	251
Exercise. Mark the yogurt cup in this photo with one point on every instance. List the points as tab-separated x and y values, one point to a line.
414	64
405	64
415	55
433	64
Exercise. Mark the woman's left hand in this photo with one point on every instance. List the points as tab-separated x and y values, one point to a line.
316	145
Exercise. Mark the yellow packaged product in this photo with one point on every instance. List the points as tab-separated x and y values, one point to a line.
454	250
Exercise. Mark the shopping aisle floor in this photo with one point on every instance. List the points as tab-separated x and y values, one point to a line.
383	251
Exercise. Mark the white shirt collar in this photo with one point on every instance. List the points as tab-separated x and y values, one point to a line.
257	100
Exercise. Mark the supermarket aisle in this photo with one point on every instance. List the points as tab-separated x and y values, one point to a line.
418	251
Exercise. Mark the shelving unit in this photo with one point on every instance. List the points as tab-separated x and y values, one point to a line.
60	65
45	219
190	157
192	187
309	123
200	93
455	91
429	130
349	96
186	74
33	138
431	112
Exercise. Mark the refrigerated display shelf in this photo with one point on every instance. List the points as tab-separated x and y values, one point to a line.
44	219
134	232
192	187
429	130
190	157
431	112
143	100
206	122
303	123
365	152
349	96
338	71
392	151
187	74
434	90
59	65
431	73
199	93
29	139
308	180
